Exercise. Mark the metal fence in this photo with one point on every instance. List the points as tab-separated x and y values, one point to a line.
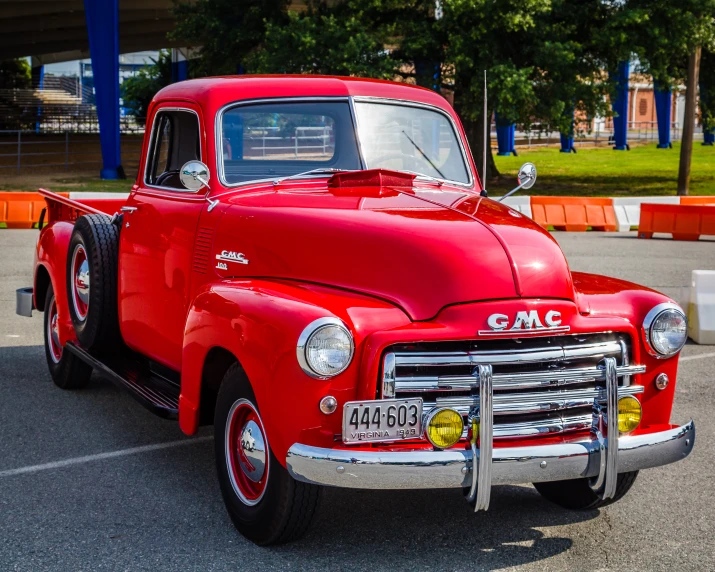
602	134
22	151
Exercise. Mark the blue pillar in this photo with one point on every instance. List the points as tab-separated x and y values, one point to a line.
179	65
567	139
103	31
663	107
38	81
620	108
505	137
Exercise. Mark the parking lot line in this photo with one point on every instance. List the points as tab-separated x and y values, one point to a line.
102	456
699	356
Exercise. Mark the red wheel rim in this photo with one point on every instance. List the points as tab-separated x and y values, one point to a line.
246	452
80	282
53	333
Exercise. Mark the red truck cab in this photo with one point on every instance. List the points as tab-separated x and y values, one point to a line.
311	265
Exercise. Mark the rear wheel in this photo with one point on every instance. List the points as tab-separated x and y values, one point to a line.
576	494
66	369
264	502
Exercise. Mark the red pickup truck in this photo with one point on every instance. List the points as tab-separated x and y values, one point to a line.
312	265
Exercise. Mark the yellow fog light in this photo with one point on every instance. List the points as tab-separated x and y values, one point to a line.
629	414
444	428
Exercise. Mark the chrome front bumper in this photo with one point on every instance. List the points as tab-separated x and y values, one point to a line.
509	465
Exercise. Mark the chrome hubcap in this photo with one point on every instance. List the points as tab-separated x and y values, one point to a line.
80	282
252	451
53	334
246	449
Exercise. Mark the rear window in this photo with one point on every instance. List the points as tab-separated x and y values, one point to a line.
269	140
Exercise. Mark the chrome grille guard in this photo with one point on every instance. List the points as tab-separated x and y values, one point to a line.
515	404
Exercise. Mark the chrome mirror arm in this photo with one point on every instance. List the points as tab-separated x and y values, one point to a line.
510	193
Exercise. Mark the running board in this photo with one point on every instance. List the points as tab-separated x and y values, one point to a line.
133	373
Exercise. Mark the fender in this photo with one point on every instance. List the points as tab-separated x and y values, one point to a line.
51	254
605	297
259	322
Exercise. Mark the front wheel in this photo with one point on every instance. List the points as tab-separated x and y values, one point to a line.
576	494
265	503
66	369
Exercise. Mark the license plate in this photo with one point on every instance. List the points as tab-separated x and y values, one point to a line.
382	420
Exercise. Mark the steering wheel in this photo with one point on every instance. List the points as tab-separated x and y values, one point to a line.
161	179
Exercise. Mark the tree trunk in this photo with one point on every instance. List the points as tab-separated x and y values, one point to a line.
475	137
686	148
474	130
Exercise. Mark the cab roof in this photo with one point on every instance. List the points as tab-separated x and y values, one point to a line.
213	93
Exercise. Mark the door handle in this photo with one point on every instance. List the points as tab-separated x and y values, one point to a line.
128	209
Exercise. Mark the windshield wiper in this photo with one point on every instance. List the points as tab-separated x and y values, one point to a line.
320	171
423	154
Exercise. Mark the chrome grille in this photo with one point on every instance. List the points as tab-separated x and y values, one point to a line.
541	385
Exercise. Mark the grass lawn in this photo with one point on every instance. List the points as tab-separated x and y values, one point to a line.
593	172
63	181
603	172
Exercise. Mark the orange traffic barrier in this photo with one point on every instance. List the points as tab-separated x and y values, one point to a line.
574	213
20	210
684	222
697	200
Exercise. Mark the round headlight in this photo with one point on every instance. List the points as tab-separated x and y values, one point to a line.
325	348
666	330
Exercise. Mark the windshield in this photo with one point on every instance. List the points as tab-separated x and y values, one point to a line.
280	139
406	138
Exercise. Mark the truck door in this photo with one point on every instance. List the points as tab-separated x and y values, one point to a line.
157	237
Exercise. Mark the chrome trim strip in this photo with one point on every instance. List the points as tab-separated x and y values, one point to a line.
150	149
423	469
522	403
526	380
625	360
508	356
486	438
388	376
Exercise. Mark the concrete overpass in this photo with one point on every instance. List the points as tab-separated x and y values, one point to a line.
61	30
56	30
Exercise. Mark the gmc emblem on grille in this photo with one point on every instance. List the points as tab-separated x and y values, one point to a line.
525	322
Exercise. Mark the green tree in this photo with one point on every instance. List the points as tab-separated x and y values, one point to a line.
323	40
228	32
140	89
669	38
15	73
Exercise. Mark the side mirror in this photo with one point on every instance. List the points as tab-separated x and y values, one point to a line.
194	175
527	176
526	179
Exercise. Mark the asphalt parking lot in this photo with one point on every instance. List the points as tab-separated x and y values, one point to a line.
77	494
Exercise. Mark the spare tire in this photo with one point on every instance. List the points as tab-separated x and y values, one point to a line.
92	268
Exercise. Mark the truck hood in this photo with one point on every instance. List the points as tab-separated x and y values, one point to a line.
420	248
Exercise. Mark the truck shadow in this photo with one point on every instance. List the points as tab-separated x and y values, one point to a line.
438	529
